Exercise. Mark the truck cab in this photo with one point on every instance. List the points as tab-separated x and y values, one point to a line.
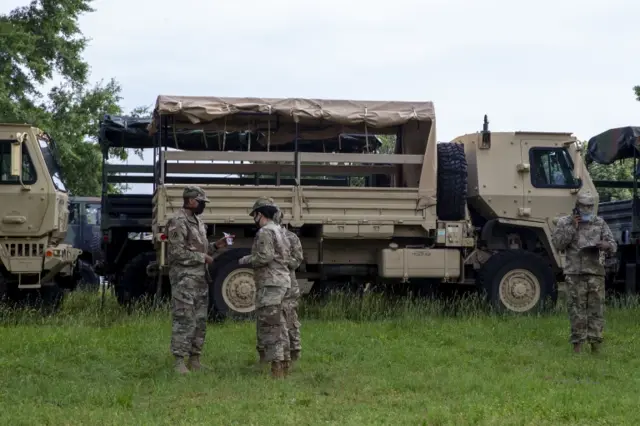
33	218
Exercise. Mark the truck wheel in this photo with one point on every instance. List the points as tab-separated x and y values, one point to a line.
88	278
452	182
134	283
47	299
232	287
518	281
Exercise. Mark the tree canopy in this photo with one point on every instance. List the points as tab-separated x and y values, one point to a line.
41	43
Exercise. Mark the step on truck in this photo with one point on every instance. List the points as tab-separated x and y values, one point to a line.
36	264
476	211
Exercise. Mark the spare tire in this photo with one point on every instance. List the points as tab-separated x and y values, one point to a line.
452	182
135	285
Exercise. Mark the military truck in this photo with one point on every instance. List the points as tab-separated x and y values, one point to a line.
84	233
34	211
476	211
623	216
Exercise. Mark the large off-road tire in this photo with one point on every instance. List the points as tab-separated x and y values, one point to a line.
134	284
47	299
232	287
452	182
518	281
87	277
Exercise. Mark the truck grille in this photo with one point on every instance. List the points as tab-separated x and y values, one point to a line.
24	249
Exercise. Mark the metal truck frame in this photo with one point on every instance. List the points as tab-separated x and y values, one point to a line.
34	259
608	147
431	213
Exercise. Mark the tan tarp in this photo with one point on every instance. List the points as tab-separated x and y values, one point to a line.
350	114
318	119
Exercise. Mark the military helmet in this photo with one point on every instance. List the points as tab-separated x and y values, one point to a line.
263	201
195	192
586	198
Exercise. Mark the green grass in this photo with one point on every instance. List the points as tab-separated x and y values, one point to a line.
365	362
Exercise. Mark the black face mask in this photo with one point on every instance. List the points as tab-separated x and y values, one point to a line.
199	209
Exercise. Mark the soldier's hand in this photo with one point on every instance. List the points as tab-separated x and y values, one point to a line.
576	220
604	245
208	259
222	242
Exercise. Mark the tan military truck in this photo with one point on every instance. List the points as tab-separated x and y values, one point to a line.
36	265
474	211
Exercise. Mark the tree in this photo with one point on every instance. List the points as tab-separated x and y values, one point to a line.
38	43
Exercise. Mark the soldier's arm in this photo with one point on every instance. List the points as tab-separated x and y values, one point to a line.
262	252
607	236
178	250
563	234
296	252
212	248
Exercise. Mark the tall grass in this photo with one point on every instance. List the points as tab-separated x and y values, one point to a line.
366	360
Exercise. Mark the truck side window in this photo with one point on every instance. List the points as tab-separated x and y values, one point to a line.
92	212
551	168
28	170
74	214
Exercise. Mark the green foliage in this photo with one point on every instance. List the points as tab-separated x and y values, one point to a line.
40	43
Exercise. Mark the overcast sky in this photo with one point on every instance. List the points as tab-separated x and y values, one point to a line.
562	65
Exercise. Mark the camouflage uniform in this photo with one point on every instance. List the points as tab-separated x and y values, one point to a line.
293	294
584	270
186	249
269	258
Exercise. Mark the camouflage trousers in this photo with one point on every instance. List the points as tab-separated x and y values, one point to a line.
189	306
585	303
293	323
271	325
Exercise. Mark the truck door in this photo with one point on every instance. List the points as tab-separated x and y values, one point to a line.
74	229
552	184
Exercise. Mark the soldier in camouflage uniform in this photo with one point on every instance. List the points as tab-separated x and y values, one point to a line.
188	251
293	294
584	237
270	260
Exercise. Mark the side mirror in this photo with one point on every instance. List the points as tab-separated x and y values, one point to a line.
16	157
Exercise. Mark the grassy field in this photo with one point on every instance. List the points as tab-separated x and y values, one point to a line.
365	362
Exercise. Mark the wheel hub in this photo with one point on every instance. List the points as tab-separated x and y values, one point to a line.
238	290
519	290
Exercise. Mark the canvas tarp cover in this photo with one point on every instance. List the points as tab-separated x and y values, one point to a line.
132	132
613	145
315	119
238	113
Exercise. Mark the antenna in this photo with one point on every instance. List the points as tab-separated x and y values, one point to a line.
486	134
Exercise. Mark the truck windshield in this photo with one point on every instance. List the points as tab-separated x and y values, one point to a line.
46	144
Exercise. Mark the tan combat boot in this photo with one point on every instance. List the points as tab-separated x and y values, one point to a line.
277	370
595	347
577	347
285	368
194	363
180	366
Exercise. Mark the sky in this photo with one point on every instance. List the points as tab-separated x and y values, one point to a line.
562	65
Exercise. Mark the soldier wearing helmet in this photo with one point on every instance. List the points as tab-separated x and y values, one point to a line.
292	350
585	238
270	260
188	253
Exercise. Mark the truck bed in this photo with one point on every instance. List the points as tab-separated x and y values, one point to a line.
127	211
330	206
619	217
